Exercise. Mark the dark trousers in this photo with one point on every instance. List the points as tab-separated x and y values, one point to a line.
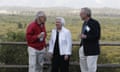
59	64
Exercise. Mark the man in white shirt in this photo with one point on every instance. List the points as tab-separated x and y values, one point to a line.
60	47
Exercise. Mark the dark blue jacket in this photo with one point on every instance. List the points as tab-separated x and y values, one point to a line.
91	43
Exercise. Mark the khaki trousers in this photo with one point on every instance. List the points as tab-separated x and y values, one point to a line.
87	63
36	59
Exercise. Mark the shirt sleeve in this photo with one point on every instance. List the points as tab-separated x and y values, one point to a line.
69	43
50	49
30	36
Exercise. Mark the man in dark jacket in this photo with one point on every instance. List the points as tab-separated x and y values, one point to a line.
90	37
35	36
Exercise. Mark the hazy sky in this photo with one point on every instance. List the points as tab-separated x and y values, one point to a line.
62	3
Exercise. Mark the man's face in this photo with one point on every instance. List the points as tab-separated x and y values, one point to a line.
58	24
83	15
41	19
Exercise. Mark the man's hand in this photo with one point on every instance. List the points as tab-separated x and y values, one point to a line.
83	36
41	35
66	57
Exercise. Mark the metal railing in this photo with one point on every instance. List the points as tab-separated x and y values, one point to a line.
71	63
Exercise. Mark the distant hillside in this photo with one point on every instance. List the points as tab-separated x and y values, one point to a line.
57	11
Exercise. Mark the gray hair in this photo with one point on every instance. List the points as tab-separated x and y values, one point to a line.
62	20
40	13
87	11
